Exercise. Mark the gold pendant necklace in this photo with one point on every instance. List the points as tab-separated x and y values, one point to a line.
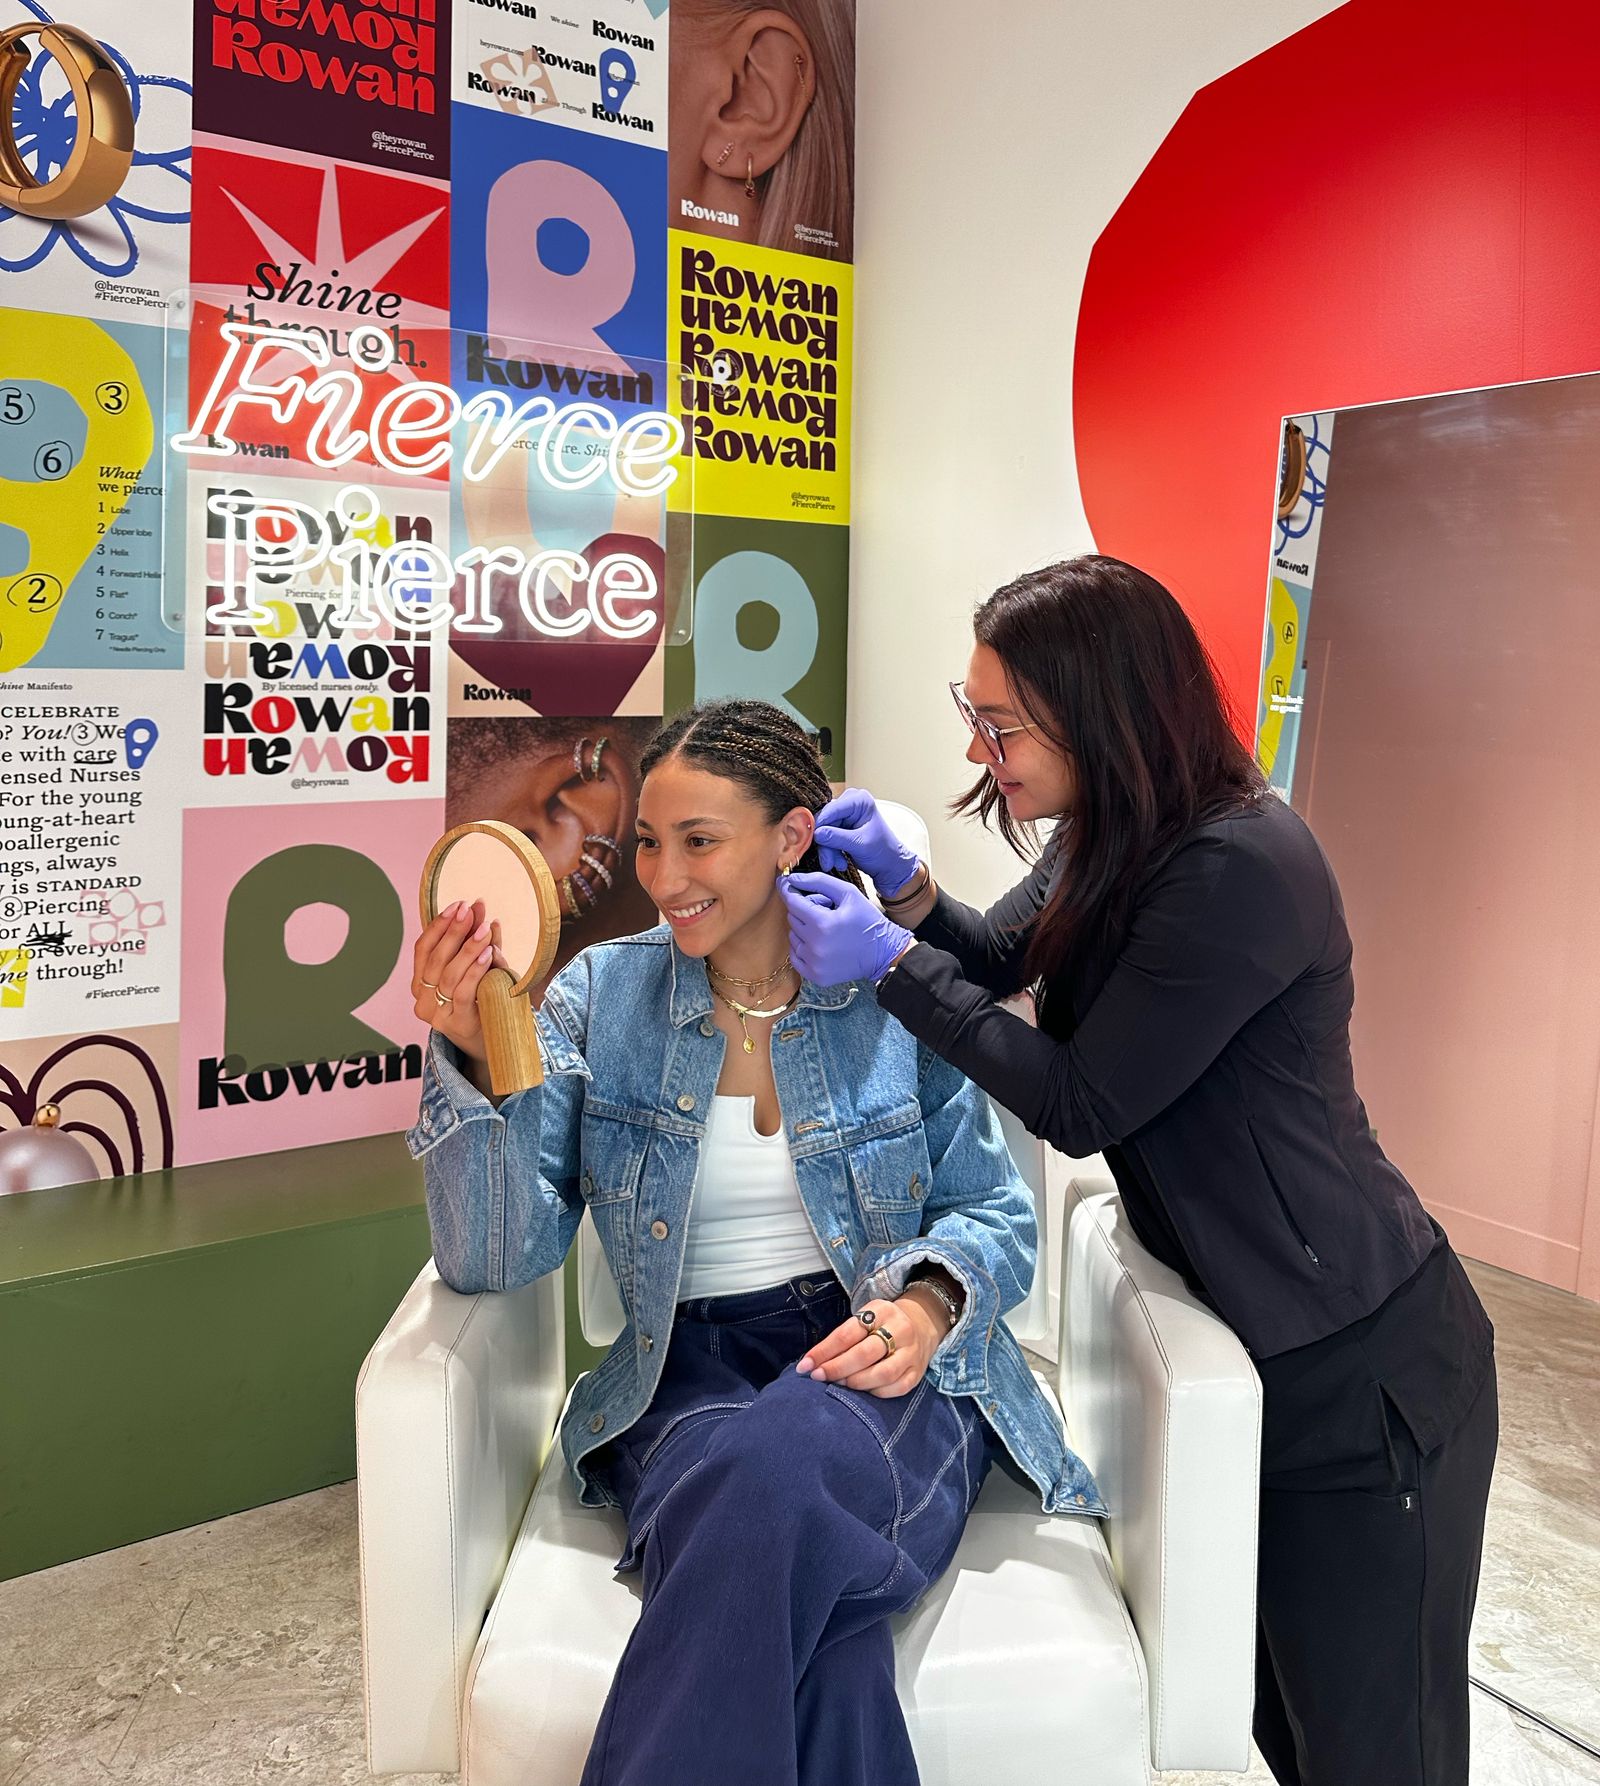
744	1011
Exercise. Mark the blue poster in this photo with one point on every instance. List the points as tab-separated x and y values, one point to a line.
556	241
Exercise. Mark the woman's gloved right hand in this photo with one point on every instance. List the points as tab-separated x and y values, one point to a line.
851	825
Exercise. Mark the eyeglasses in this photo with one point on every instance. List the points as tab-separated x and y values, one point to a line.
993	736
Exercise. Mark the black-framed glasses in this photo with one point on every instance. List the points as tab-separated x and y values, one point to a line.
993	736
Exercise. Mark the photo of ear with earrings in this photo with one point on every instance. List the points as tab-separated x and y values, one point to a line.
571	786
761	130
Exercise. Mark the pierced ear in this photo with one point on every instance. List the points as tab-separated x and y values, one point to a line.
771	93
798	828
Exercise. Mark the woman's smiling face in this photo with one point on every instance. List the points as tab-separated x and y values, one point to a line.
708	854
1036	779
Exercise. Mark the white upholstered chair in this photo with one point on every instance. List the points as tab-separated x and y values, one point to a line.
1053	1648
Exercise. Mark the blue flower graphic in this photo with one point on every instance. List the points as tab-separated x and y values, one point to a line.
45	129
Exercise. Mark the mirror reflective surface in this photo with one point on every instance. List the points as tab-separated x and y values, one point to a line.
482	866
1432	623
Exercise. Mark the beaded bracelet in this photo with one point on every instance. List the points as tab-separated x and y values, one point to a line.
951	1308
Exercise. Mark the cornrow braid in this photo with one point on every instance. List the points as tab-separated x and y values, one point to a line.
758	746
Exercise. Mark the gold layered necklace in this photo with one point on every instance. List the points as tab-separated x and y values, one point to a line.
757	989
754	987
745	1011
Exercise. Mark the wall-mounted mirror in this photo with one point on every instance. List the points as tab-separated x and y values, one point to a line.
1432	636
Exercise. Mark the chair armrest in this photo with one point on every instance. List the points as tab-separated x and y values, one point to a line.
455	1409
1029	1321
1163	1403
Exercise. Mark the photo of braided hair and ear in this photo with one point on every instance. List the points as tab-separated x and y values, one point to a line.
772	757
571	787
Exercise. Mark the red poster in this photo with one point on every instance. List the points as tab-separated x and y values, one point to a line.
319	247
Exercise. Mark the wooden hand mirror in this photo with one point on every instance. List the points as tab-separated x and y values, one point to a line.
494	862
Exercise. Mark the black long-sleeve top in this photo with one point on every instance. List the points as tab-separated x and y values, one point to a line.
1211	1066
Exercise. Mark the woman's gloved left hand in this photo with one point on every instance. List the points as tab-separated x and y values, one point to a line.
836	933
851	827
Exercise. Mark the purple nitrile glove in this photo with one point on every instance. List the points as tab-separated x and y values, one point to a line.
836	933
851	825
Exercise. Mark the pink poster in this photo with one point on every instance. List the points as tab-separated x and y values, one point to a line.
296	1023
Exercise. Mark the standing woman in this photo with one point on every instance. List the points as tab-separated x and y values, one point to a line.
1184	938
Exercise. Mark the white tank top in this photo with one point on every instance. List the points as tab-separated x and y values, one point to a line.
747	1226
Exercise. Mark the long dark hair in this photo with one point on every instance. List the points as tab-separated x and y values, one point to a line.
1102	659
756	745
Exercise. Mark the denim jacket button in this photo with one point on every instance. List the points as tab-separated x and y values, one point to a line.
707	1027
685	1101
646	1341
659	1229
597	1422
1082	1500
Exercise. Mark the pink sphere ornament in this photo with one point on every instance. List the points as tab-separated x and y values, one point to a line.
40	1157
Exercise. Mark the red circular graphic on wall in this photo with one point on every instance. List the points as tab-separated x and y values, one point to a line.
1396	200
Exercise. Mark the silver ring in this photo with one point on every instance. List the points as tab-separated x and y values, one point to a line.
866	1317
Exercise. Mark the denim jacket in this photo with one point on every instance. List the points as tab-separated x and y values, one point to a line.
899	1159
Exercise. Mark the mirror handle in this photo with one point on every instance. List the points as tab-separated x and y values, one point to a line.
509	1036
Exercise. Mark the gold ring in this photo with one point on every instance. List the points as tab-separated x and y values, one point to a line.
887	1337
443	998
429	984
102	151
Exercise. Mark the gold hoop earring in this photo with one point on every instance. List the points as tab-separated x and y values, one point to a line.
749	176
102	151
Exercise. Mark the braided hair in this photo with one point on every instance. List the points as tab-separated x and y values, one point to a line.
759	747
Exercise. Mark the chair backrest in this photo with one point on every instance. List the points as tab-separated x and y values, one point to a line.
600	1311
599	1307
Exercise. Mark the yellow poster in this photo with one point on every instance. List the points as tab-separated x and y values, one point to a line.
80	536
762	339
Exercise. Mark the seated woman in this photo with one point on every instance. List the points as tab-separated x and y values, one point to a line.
815	1230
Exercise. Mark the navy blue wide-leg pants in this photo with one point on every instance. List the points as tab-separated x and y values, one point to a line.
778	1522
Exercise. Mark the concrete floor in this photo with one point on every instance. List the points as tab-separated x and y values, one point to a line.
229	1654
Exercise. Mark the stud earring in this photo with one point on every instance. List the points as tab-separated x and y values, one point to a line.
725	154
749	176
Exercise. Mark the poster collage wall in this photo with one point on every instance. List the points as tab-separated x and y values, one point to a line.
555	300
1305	453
